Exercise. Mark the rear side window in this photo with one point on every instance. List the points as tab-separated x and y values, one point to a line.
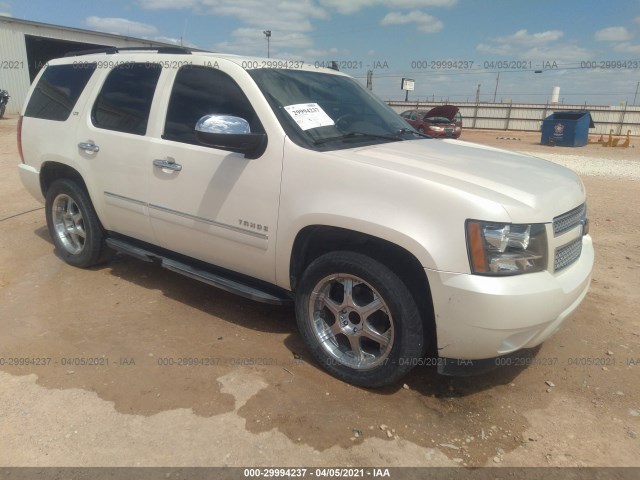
125	100
58	90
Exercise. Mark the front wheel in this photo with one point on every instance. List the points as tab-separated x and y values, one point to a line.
73	224
358	319
2	109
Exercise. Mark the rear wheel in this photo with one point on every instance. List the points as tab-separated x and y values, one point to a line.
73	224
358	319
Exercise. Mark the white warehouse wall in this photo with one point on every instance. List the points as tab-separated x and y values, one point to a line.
14	67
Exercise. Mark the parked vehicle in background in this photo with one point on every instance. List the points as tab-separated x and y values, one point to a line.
441	121
4	99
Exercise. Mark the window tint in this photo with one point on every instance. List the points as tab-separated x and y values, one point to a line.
200	91
125	99
58	90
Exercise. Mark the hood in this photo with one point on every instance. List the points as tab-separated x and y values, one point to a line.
446	111
529	189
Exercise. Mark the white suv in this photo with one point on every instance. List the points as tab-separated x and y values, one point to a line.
286	183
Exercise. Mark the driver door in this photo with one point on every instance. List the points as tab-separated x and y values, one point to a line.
207	203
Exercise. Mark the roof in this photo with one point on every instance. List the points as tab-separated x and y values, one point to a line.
82	30
171	53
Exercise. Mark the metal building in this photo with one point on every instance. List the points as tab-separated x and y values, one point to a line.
26	46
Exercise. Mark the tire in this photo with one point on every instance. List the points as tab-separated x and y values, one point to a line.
370	338
2	109
73	225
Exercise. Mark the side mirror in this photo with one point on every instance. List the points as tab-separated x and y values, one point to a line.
230	133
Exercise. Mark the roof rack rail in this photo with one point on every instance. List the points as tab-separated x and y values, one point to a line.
78	53
112	50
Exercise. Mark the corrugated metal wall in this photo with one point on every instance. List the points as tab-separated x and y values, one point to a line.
14	68
501	116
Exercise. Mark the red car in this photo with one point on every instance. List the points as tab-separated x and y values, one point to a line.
441	121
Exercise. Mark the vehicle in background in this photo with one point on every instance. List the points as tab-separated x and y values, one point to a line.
4	99
441	121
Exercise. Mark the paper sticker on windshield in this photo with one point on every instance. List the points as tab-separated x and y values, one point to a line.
309	115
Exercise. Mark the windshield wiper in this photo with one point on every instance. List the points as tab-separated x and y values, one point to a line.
348	135
402	131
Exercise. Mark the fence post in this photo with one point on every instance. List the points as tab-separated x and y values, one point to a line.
544	114
624	112
508	115
475	115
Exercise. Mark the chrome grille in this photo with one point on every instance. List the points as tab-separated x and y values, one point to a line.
569	220
568	254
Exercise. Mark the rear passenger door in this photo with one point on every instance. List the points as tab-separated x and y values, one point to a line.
112	139
215	205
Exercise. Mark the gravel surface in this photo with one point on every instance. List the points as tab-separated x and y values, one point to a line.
594	166
591	160
262	401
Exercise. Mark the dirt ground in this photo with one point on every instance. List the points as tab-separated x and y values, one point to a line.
262	401
530	142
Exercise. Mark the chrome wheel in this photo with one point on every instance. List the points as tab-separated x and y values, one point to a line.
351	321
68	224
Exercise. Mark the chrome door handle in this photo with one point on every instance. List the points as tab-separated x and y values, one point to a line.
88	147
171	165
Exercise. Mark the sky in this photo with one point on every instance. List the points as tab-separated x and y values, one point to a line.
450	48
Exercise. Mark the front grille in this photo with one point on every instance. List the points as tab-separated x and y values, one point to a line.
569	220
568	254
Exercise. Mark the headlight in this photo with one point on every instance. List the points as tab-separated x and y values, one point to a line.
506	248
436	129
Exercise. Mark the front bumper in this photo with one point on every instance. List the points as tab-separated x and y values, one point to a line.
480	317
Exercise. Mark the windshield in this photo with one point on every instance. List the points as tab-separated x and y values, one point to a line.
328	111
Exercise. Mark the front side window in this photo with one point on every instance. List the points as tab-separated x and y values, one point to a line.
125	100
58	90
199	91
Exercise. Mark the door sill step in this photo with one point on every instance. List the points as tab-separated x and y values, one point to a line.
248	289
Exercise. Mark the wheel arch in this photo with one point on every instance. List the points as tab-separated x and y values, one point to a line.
316	240
51	171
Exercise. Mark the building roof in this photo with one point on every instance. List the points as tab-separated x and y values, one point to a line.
31	23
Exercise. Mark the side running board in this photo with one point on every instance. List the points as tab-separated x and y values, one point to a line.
251	290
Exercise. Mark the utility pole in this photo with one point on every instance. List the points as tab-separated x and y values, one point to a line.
636	95
267	33
496	90
370	80
184	32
